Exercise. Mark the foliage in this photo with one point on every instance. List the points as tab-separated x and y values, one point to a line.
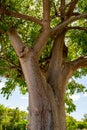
85	118
12	119
78	48
73	124
73	88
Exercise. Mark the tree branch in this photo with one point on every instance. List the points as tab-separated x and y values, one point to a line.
75	14
11	65
57	59
62	9
60	27
71	7
10	62
44	35
46	10
41	41
21	16
55	9
81	62
18	45
78	28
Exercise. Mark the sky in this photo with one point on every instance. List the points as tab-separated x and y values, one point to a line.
81	101
15	100
21	101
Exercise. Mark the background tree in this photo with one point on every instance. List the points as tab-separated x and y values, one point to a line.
83	123
12	119
71	123
49	49
85	117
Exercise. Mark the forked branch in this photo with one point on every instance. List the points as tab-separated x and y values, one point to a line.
59	28
17	43
81	62
3	11
44	35
77	28
71	7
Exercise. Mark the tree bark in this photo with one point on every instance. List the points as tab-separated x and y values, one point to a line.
40	110
47	111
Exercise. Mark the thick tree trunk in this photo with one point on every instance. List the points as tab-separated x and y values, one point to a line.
47	116
47	111
40	109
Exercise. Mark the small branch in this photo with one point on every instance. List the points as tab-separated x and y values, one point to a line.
46	10
84	15
62	9
71	7
81	62
11	65
55	9
60	27
10	62
21	16
78	28
62	4
75	14
58	15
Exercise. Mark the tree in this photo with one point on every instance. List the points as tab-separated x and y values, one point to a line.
85	117
83	123
71	123
47	53
12	119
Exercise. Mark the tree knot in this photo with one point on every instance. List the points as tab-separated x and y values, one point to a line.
24	51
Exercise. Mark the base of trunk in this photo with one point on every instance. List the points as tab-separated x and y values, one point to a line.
45	117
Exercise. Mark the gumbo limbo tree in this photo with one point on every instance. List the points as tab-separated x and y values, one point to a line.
50	41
